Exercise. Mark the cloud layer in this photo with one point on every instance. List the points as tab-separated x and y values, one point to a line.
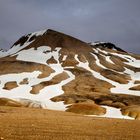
116	21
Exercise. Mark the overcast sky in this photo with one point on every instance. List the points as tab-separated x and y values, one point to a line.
116	21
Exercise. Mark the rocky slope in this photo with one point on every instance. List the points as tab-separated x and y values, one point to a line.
49	69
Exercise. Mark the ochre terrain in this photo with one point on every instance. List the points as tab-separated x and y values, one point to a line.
35	124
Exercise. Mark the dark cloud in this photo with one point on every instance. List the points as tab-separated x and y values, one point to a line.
116	21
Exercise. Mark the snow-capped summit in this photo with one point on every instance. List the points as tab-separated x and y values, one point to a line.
52	70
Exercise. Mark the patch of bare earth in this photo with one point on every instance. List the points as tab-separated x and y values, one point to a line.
15	66
39	124
9	102
137	82
86	108
24	81
132	111
10	85
55	80
135	88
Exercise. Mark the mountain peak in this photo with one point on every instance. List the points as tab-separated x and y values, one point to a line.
55	38
50	38
49	69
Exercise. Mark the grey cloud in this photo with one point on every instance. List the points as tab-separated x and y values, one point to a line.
90	20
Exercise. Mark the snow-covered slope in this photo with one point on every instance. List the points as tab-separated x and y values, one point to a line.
2	53
48	69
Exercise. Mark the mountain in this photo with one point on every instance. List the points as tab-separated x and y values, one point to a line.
52	70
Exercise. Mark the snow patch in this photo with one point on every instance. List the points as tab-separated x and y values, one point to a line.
131	60
17	48
39	55
97	43
64	57
112	112
43	98
38	33
119	88
98	61
124	88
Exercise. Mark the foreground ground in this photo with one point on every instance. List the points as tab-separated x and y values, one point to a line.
36	124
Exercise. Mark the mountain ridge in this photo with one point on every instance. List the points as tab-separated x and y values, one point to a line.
49	69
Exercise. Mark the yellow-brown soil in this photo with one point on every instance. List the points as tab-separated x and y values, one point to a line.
55	80
135	88
14	66
39	124
86	108
24	81
10	85
137	82
132	111
9	102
